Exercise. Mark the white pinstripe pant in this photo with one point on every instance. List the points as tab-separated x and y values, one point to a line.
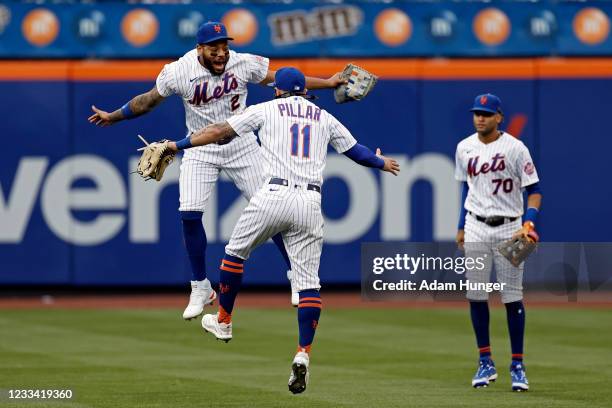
241	159
482	240
296	214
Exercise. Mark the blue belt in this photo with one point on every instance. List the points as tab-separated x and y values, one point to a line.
283	182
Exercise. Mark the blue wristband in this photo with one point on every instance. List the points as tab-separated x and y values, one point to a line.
184	143
127	111
531	215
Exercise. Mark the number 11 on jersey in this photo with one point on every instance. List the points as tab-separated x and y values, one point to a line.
295	136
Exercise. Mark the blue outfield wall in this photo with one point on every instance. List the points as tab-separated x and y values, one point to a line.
71	212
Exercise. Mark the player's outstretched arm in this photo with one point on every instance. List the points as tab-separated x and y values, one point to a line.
391	165
362	155
319	83
138	106
311	82
210	134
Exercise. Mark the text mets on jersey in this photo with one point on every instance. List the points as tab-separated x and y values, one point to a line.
201	94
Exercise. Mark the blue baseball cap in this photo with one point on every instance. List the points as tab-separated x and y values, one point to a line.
212	31
289	79
487	103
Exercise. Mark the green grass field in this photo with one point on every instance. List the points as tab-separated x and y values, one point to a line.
361	358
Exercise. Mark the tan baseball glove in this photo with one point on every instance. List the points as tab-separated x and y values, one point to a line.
520	246
155	158
360	83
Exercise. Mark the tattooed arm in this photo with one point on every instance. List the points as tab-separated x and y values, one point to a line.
139	105
217	132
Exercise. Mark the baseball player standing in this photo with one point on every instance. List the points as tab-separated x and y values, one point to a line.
495	169
294	133
212	81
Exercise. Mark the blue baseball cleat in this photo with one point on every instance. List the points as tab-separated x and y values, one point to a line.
519	378
485	374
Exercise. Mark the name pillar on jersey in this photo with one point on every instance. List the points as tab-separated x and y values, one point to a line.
288	110
200	95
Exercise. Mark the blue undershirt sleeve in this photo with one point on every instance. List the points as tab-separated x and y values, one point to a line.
364	156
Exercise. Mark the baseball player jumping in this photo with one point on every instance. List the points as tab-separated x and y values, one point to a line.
212	81
294	133
495	168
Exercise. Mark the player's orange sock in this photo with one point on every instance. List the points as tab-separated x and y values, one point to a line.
309	311
304	349
230	280
223	316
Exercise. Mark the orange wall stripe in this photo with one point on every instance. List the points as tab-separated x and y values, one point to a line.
575	68
444	69
428	69
34	70
386	68
117	70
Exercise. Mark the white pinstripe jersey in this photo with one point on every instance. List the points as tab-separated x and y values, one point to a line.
294	135
496	173
209	98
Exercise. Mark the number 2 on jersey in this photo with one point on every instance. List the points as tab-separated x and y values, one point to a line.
235	102
295	140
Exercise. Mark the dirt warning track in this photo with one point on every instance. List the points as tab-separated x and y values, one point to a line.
281	300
